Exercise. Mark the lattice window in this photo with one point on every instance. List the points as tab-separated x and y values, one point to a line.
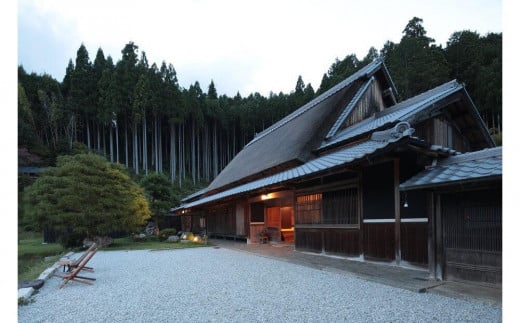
340	207
308	209
474	228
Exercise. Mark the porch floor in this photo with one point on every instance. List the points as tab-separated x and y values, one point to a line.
384	273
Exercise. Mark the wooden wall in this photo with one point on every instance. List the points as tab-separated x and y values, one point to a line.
336	241
472	235
379	240
221	221
414	242
379	211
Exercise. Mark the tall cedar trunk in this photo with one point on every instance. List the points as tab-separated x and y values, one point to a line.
88	134
111	144
145	150
181	154
198	155
215	150
135	152
126	144
173	156
193	151
156	147
160	149
104	142
207	154
98	138
117	144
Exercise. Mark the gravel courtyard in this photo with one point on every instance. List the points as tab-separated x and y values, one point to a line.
222	285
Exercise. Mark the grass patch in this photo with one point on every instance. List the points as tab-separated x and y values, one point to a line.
129	244
32	253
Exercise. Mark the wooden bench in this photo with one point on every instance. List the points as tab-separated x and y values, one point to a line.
73	275
73	263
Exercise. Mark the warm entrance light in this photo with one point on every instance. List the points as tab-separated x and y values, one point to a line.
265	197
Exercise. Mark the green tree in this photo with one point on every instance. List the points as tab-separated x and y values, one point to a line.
26	126
85	196
338	71
83	93
124	80
158	190
416	63
477	62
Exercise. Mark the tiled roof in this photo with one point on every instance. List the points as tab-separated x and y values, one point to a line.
195	194
327	162
475	166
402	111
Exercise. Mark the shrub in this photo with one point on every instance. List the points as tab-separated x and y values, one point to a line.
164	234
71	240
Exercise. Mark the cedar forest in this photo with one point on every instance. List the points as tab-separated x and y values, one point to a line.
138	115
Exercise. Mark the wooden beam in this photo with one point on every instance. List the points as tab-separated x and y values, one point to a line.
397	210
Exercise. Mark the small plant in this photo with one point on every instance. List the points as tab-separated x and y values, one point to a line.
22	301
164	234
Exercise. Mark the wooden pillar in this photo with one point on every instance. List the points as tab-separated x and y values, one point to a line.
430	202
397	211
360	215
439	239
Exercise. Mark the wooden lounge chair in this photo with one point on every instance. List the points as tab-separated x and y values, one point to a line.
73	275
73	263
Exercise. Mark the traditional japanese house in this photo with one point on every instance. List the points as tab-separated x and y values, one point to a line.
350	174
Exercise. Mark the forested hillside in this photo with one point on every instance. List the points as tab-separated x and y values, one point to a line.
137	114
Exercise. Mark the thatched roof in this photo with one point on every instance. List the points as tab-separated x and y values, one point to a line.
290	141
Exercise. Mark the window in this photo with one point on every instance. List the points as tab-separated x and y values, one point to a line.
257	212
340	207
331	207
308	209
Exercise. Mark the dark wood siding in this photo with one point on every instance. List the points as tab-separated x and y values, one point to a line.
414	242
342	242
472	230
379	240
379	212
221	221
308	240
443	132
336	241
370	103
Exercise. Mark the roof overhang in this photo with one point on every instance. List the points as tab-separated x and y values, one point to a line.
380	143
475	167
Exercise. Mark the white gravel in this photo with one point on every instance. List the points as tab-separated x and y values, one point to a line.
222	285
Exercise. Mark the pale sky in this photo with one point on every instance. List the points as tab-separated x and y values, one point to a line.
246	46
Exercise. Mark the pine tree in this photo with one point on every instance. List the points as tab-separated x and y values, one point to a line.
86	195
